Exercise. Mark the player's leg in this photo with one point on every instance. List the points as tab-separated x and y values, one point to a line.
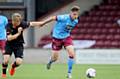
18	52
2	46
0	52
56	47
16	64
6	56
2	49
70	50
5	64
54	57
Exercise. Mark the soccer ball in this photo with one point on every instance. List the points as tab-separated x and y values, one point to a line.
118	21
90	73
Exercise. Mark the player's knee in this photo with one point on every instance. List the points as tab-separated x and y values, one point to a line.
55	58
72	55
6	62
19	61
6	59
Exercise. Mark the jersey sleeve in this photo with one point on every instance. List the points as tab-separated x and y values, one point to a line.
61	18
8	31
6	21
25	24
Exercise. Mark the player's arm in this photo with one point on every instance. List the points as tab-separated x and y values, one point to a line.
41	23
12	37
34	23
52	18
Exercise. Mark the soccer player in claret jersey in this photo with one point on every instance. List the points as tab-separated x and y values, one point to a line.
14	43
61	36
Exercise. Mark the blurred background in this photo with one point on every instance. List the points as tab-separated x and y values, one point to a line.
96	36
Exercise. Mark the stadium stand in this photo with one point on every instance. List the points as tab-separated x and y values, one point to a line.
98	24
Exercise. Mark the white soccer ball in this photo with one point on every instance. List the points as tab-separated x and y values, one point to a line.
91	73
118	21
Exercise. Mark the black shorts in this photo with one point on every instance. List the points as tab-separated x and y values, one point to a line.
16	49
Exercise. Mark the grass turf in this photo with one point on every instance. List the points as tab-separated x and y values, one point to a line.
59	71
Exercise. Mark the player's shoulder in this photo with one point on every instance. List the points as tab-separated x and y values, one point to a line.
64	15
9	24
24	22
3	17
67	15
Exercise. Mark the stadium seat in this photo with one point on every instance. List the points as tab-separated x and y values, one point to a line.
98	24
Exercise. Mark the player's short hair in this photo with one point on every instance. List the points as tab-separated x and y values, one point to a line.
16	15
75	8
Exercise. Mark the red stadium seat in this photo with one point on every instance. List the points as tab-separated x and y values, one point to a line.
99	25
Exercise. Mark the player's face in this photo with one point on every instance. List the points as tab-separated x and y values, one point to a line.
16	21
74	14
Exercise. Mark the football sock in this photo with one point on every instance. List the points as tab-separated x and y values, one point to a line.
14	65
51	61
70	64
4	68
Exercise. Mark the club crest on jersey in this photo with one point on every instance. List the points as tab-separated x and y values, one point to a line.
69	28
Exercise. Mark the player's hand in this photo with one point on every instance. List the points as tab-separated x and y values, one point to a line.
20	29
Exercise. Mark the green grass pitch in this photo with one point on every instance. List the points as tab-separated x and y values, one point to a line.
59	71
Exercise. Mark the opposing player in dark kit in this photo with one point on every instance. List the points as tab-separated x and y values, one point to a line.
15	42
